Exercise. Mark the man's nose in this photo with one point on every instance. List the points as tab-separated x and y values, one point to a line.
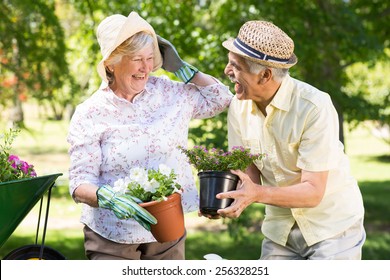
227	69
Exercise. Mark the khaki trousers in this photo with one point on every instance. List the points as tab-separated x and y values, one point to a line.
344	246
100	248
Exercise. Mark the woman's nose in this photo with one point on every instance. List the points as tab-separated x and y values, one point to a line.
146	65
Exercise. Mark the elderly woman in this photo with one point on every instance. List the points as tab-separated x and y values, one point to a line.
135	119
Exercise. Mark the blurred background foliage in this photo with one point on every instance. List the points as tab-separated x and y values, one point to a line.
48	49
49	53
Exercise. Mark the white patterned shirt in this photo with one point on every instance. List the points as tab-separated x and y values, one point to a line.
109	135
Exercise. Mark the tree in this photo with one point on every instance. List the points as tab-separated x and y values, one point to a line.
32	52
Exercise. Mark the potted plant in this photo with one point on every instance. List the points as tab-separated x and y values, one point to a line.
213	166
160	195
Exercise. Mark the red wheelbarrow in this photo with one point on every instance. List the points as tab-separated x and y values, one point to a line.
17	198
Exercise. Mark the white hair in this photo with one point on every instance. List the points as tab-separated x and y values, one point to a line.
277	73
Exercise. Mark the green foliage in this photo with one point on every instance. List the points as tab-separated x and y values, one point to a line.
215	159
6	173
247	224
370	83
58	51
32	48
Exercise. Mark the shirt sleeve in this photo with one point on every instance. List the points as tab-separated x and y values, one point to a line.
209	100
319	149
84	151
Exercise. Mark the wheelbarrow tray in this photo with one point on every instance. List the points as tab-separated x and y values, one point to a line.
17	198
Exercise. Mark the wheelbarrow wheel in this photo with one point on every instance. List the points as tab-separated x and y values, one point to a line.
33	252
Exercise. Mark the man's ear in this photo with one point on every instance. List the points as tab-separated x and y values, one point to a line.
264	76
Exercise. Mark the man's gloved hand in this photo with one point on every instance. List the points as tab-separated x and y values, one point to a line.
123	206
173	63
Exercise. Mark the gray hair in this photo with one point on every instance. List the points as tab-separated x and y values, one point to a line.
129	47
277	73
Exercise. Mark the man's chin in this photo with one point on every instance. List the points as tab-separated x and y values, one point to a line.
240	95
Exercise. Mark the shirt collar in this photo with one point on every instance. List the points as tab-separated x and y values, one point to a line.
282	97
110	95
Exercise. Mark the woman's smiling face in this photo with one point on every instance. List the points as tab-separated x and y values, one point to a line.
132	73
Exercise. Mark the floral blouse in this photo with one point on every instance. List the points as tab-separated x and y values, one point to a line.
108	135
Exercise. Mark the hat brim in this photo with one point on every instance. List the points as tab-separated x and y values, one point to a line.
133	24
228	44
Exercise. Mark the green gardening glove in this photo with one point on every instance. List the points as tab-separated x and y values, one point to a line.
124	206
173	63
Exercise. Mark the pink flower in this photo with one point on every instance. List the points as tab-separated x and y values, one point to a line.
24	167
14	160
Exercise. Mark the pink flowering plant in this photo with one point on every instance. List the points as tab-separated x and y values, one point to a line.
216	159
145	185
12	167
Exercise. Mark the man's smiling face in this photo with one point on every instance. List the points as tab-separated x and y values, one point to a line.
238	72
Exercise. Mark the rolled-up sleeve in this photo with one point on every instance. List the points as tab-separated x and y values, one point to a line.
84	151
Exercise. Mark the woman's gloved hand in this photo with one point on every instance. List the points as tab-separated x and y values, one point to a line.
124	206
173	63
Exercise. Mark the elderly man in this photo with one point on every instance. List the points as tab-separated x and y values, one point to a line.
314	208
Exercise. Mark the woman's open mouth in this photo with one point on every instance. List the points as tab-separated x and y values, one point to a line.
140	76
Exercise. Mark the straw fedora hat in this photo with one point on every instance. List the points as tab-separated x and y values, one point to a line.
264	43
115	29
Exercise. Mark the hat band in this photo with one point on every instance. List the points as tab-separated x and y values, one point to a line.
255	53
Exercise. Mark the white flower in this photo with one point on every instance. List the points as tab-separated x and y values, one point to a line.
139	175
165	170
155	185
151	186
120	186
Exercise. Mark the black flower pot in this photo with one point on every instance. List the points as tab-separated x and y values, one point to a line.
211	183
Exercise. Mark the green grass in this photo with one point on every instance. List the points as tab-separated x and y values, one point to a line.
45	146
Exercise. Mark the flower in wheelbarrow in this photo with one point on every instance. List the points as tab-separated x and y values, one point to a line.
26	170
12	167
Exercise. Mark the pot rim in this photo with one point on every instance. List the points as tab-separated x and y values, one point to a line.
228	173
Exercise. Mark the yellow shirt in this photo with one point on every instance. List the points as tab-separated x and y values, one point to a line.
300	132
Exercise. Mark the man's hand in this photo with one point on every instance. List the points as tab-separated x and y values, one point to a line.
243	196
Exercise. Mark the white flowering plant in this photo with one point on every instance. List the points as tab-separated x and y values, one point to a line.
145	185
